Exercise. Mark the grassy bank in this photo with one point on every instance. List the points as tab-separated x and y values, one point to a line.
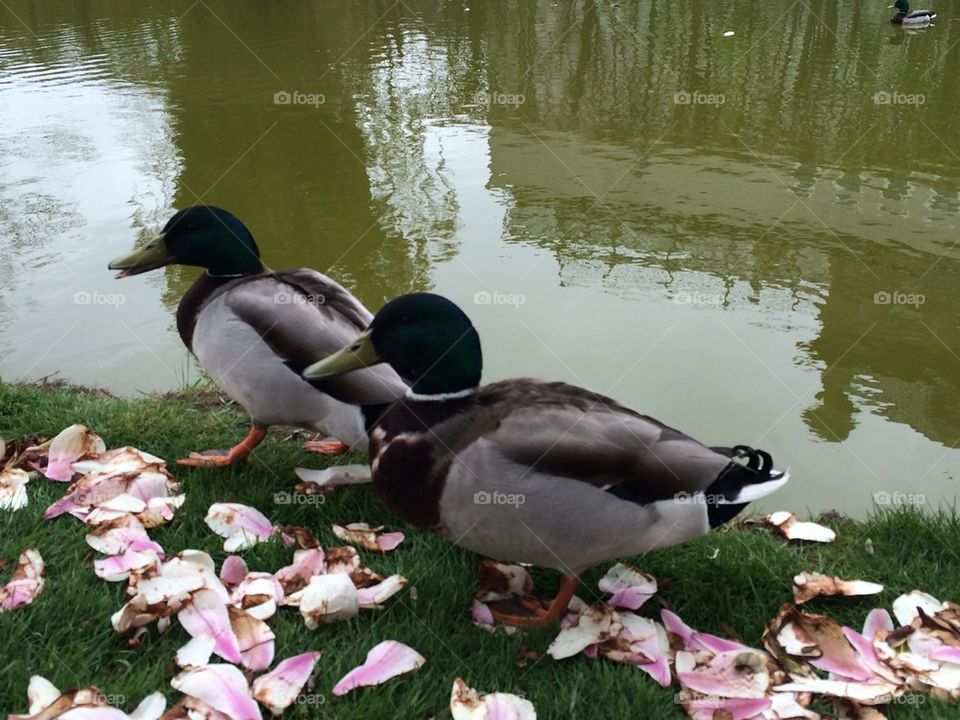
729	582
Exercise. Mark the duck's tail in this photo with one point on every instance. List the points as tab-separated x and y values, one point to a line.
749	476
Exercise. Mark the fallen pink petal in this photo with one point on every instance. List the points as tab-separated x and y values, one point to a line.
367	536
205	615
222	687
26	583
630	587
74	443
241	525
233	570
373	597
279	688
594	626
254	637
468	704
386	660
732	674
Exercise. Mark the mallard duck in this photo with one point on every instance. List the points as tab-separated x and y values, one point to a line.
531	471
904	15
254	330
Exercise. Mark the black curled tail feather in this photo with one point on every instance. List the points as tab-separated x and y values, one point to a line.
747	466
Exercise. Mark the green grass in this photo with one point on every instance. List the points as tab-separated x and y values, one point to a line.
66	635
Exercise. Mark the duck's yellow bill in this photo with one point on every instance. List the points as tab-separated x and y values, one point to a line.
151	256
356	355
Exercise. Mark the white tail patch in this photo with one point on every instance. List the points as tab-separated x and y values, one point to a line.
749	493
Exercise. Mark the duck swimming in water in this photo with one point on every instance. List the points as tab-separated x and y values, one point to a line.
905	16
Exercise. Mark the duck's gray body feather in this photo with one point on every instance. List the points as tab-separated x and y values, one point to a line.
251	335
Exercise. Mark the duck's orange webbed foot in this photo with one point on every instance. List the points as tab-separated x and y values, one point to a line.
325	447
221	458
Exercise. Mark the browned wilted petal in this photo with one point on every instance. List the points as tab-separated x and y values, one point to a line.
787	524
808	585
818	639
26	582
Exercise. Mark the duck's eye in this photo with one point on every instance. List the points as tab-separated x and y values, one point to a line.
355	347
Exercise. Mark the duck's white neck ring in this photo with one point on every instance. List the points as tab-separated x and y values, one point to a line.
440	397
233	275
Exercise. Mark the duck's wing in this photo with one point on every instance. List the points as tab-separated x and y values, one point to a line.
571	433
303	316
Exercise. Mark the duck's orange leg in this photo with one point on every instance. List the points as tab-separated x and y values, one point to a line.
538	614
221	458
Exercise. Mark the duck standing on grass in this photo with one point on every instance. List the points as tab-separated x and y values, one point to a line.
905	16
531	471
254	330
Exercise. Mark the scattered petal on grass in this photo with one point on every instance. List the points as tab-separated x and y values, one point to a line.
793	529
501	582
868	693
372	597
596	625
468	704
343	560
116	568
70	445
326	480
13	489
908	606
732	674
819	640
384	661
259	595
369	537
630	587
727	708
254	637
26	582
808	585
241	525
197	652
303	537
644	643
279	688
205	614
150	708
295	577
233	570
114	537
329	598
222	687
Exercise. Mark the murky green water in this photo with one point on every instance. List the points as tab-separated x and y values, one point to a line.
704	227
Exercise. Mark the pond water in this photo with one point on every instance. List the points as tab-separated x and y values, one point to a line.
752	237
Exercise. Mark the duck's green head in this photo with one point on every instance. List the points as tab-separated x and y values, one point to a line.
202	235
427	339
901	5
